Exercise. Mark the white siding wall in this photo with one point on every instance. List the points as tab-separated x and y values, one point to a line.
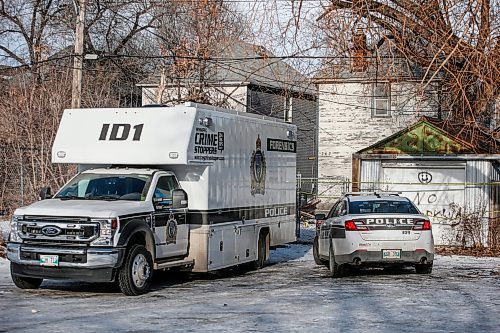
477	192
346	124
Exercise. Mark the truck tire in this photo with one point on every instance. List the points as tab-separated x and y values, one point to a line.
423	268
136	273
261	251
25	282
334	269
317	259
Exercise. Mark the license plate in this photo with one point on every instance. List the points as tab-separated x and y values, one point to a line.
391	254
46	260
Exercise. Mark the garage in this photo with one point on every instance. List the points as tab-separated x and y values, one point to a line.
450	180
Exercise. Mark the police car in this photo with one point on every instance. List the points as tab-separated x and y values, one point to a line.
373	230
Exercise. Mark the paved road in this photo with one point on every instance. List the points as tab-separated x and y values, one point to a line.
292	294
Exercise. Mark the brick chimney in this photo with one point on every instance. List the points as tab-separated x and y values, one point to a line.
359	52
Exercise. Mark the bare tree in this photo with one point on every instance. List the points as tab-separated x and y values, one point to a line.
456	39
36	52
29	116
27	31
190	35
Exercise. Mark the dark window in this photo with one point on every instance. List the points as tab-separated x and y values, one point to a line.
165	186
105	187
331	213
381	99
382	207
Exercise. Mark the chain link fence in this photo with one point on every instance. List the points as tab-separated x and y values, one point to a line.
324	191
23	172
12	181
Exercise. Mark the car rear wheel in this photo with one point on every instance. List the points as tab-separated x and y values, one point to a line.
423	268
317	259
261	251
334	268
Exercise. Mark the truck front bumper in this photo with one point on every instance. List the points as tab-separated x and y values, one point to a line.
82	264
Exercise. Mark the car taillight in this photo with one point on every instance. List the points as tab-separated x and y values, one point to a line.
422	225
355	226
350	226
319	223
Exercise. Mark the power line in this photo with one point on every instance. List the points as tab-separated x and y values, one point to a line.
218	60
296	84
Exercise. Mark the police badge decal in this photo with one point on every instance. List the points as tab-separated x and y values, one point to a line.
171	229
258	169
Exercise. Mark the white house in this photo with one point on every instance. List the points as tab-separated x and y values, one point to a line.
363	100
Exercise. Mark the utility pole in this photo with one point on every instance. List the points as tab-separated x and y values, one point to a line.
76	91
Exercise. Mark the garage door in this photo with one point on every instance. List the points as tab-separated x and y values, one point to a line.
437	188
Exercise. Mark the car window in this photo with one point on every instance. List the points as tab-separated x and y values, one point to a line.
98	186
343	208
336	210
164	187
382	207
331	213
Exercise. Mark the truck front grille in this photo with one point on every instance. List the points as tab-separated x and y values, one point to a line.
57	230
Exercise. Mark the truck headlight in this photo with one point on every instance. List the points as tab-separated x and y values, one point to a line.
107	230
14	229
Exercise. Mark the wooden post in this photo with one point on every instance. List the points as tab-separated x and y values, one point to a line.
76	91
356	173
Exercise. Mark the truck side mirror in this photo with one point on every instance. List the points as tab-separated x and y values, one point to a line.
320	217
45	193
179	199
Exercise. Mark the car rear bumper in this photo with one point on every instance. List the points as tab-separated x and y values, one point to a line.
375	259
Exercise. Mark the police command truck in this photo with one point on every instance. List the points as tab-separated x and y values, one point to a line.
190	186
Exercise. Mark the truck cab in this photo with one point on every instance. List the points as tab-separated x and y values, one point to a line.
90	221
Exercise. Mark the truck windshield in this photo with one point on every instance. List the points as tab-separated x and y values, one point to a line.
92	186
382	207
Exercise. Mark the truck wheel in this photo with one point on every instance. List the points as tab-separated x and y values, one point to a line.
423	268
333	267
261	252
136	273
317	259
26	282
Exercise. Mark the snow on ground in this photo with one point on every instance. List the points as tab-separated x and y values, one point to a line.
291	294
4	229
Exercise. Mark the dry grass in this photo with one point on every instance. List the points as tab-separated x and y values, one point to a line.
478	251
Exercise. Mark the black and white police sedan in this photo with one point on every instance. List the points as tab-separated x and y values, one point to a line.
373	230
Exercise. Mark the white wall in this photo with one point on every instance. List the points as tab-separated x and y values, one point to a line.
346	124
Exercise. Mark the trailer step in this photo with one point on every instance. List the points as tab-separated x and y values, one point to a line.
174	263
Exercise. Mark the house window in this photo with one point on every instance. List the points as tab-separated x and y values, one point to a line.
381	106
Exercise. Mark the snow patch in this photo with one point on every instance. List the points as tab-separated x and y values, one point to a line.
4	229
